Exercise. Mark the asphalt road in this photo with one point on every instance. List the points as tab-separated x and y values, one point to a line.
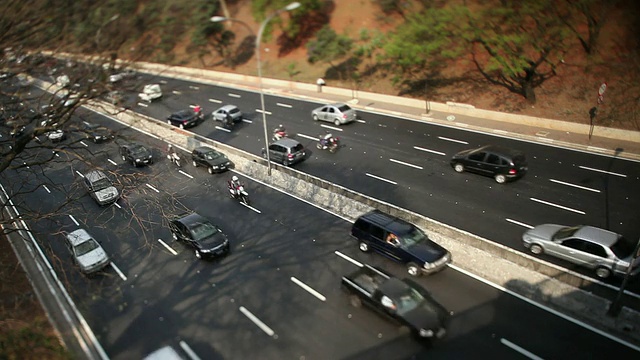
407	163
247	304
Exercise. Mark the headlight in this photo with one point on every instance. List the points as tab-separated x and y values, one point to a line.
429	265
426	333
215	166
138	160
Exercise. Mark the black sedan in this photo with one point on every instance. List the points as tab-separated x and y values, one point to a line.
213	160
184	119
207	240
136	154
501	163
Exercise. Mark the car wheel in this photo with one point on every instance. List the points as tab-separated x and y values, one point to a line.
413	269
315	117
458	168
285	162
174	236
355	301
363	246
134	163
195	164
124	158
501	179
336	122
536	249
169	122
198	255
182	126
603	272
210	170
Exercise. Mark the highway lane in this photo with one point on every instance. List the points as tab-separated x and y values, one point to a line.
563	186
167	298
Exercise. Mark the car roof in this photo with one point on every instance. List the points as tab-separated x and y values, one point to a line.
191	219
228	107
600	236
286	142
95	175
394	287
391	223
77	237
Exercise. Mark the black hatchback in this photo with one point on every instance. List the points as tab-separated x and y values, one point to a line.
207	240
183	119
501	163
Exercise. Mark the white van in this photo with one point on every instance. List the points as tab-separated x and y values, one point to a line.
151	92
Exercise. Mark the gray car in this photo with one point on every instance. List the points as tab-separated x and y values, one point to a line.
601	250
285	151
86	251
338	114
227	110
100	187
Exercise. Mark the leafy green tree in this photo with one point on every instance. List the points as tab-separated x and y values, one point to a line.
517	44
328	46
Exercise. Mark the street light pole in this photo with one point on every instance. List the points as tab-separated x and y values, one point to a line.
293	5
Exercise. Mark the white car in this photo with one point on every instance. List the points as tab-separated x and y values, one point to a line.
151	92
86	251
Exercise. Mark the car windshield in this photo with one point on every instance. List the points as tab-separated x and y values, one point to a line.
138	150
414	236
623	248
408	301
565	232
203	230
212	155
234	111
101	184
86	247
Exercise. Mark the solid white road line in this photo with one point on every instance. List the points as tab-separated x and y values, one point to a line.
519	349
382	179
519	223
234	95
83	143
309	289
163	81
168	247
601	171
266	112
406	164
247	121
215	101
284	105
558	206
574	185
453	140
79	173
187	349
223	129
257	321
547	309
356	263
185	174
307	136
176	92
429	151
74	220
331	127
124	278
152	188
46	188
113	162
194	87
117	205
143	104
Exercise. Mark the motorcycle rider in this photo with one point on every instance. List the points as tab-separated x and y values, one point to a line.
279	132
234	185
326	140
173	155
228	121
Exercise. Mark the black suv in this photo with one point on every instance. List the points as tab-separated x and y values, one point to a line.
498	162
136	154
183	119
206	239
399	241
96	133
213	160
285	151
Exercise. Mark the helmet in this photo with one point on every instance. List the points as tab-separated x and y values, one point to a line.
280	126
234	178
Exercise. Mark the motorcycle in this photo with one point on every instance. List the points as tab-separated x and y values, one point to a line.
239	193
175	158
330	144
277	135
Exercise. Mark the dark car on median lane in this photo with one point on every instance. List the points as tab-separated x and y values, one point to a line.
207	239
213	160
183	119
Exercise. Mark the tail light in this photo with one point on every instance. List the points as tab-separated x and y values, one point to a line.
344	116
290	156
512	171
